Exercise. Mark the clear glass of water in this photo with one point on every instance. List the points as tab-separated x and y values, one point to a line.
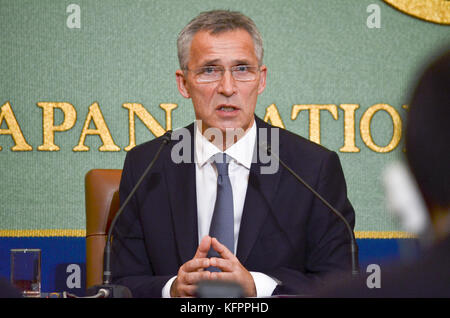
26	271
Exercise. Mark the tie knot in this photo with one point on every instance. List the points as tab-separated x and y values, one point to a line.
221	161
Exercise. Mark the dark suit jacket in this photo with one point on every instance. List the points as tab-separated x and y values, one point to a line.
285	231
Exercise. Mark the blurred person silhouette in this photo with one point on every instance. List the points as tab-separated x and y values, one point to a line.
427	156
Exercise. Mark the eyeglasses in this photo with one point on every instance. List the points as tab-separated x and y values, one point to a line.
241	73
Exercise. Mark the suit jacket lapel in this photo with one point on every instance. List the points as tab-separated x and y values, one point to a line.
183	201
260	193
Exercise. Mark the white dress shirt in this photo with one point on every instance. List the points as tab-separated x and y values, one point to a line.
241	154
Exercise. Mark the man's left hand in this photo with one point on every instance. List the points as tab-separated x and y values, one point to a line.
232	269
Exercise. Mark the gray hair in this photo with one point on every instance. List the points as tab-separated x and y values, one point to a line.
216	22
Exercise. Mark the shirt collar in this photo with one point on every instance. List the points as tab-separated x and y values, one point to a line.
241	151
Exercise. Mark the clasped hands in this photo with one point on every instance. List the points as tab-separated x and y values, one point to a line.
194	270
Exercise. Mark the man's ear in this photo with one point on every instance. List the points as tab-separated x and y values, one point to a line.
181	84
262	79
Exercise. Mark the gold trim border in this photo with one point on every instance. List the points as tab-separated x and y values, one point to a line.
82	233
43	233
384	235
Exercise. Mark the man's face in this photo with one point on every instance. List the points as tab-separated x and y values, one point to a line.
226	103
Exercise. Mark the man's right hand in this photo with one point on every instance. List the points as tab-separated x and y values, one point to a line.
192	272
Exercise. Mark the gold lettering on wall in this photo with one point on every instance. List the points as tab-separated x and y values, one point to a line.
48	121
365	127
349	128
273	116
168	109
314	117
95	115
14	130
149	121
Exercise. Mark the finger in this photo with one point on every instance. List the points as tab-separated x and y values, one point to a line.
195	264
246	282
188	290
195	277
221	249
203	247
224	264
224	276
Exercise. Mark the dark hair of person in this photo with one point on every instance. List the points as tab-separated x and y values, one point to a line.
427	137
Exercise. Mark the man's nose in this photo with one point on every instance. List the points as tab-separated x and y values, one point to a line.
227	84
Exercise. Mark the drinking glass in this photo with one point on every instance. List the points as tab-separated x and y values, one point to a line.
26	271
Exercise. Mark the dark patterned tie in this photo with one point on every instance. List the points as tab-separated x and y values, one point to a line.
222	223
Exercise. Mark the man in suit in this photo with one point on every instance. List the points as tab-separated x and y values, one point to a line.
283	240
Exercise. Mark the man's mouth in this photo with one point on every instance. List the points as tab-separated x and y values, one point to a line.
227	108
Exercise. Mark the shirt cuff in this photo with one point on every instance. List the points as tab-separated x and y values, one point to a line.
166	289
265	285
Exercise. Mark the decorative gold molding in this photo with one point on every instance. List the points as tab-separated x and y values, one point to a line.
436	11
384	235
43	233
82	233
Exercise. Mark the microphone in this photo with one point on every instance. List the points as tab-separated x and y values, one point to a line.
353	245
108	290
